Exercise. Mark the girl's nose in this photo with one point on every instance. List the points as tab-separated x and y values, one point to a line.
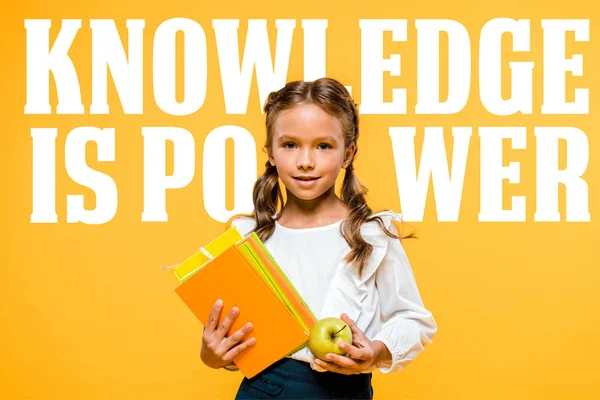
305	160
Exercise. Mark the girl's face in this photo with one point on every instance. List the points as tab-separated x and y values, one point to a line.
308	150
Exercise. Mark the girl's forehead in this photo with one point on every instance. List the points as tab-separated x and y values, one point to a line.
307	120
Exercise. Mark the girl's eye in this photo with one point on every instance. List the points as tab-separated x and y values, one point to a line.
291	145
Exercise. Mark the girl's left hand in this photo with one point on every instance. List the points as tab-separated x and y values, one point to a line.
363	353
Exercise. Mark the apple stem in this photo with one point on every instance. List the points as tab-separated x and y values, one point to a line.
339	331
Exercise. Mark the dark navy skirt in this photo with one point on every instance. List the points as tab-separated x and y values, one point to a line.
293	379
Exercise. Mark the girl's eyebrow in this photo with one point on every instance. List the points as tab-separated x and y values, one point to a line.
319	139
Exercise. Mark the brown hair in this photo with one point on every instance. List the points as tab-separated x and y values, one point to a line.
331	96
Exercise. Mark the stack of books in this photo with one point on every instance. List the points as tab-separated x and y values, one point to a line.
241	272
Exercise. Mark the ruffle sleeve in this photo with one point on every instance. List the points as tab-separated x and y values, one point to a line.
407	326
376	237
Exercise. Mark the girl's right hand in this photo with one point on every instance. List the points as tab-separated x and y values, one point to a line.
217	350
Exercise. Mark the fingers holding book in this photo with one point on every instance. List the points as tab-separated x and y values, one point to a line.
217	349
215	315
227	322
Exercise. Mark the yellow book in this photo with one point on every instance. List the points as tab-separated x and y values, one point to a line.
207	253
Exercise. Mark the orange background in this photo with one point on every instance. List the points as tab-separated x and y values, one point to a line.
87	313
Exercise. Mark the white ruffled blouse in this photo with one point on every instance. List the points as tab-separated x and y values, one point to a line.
384	302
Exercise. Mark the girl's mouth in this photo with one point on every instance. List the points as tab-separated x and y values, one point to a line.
306	182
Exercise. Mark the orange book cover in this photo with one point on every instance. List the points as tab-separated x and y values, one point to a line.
230	277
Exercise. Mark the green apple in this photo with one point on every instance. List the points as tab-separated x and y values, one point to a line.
325	336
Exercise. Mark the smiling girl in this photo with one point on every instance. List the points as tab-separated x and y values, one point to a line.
344	260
